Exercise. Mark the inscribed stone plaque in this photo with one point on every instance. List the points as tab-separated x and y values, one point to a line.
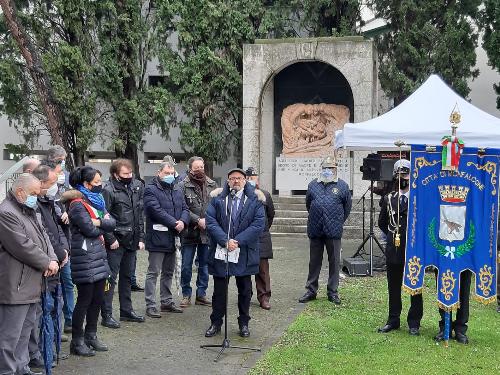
296	173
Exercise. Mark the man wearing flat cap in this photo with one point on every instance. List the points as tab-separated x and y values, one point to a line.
328	201
235	218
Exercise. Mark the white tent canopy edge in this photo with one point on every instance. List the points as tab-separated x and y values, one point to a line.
423	118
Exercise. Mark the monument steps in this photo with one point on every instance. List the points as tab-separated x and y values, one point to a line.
291	218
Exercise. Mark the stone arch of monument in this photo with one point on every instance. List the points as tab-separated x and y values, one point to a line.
353	57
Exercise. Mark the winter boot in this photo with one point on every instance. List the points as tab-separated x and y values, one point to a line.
78	347
93	342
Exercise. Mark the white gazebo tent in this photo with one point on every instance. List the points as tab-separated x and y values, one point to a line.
423	118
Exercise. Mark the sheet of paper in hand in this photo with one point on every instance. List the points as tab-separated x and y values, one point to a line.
233	256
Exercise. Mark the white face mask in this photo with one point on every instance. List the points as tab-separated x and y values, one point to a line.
61	179
52	191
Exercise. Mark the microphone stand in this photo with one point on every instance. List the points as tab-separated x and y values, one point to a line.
226	344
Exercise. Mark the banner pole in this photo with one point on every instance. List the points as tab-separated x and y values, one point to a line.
446	334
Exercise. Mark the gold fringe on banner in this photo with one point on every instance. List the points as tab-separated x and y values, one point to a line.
451	308
412	292
484	300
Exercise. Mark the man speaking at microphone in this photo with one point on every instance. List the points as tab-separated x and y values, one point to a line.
235	219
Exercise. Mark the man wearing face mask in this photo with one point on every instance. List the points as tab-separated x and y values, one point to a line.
123	195
197	187
263	279
26	255
238	207
328	201
56	159
166	217
393	221
50	221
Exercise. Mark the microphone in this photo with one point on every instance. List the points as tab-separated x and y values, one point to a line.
233	193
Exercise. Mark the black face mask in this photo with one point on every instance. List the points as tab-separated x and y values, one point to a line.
125	180
403	183
96	189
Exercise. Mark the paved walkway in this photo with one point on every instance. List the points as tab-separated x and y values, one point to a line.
171	345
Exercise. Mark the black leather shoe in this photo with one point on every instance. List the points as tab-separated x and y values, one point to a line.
110	322
78	347
308	296
387	328
93	342
244	331
152	312
461	338
212	330
62	356
137	288
36	363
132	317
334	298
414	331
440	336
173	308
31	372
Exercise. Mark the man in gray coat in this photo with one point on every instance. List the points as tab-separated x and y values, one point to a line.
196	187
26	256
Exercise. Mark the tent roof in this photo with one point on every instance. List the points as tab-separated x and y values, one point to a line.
423	118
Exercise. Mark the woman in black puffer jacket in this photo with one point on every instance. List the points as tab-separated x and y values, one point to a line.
89	265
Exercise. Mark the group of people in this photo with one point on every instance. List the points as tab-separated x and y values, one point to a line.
328	202
61	230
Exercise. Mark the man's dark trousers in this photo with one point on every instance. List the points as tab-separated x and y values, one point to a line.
244	284
394	281
121	262
316	249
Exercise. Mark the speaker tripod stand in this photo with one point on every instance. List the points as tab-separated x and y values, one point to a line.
371	235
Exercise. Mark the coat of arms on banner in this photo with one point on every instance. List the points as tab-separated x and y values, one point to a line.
452	217
452	222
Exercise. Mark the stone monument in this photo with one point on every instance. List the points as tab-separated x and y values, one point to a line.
309	108
308	134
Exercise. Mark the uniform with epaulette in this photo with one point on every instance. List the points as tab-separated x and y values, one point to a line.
393	222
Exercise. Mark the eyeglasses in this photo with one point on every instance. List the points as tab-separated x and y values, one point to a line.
236	178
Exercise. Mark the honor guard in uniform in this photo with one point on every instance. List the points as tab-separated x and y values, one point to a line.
393	221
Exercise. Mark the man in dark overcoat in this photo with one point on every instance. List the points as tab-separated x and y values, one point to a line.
235	219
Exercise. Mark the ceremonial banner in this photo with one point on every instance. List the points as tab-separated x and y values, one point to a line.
452	223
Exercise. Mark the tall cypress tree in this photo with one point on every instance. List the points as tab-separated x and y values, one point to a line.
426	37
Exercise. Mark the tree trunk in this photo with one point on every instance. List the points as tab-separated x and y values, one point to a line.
35	68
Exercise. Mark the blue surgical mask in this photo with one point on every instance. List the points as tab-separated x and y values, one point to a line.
252	183
31	201
327	173
168	179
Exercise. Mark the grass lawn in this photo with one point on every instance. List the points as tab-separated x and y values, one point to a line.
329	339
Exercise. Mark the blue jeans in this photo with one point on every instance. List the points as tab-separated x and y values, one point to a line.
68	292
188	252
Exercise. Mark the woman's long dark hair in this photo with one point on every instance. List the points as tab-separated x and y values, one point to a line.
81	175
